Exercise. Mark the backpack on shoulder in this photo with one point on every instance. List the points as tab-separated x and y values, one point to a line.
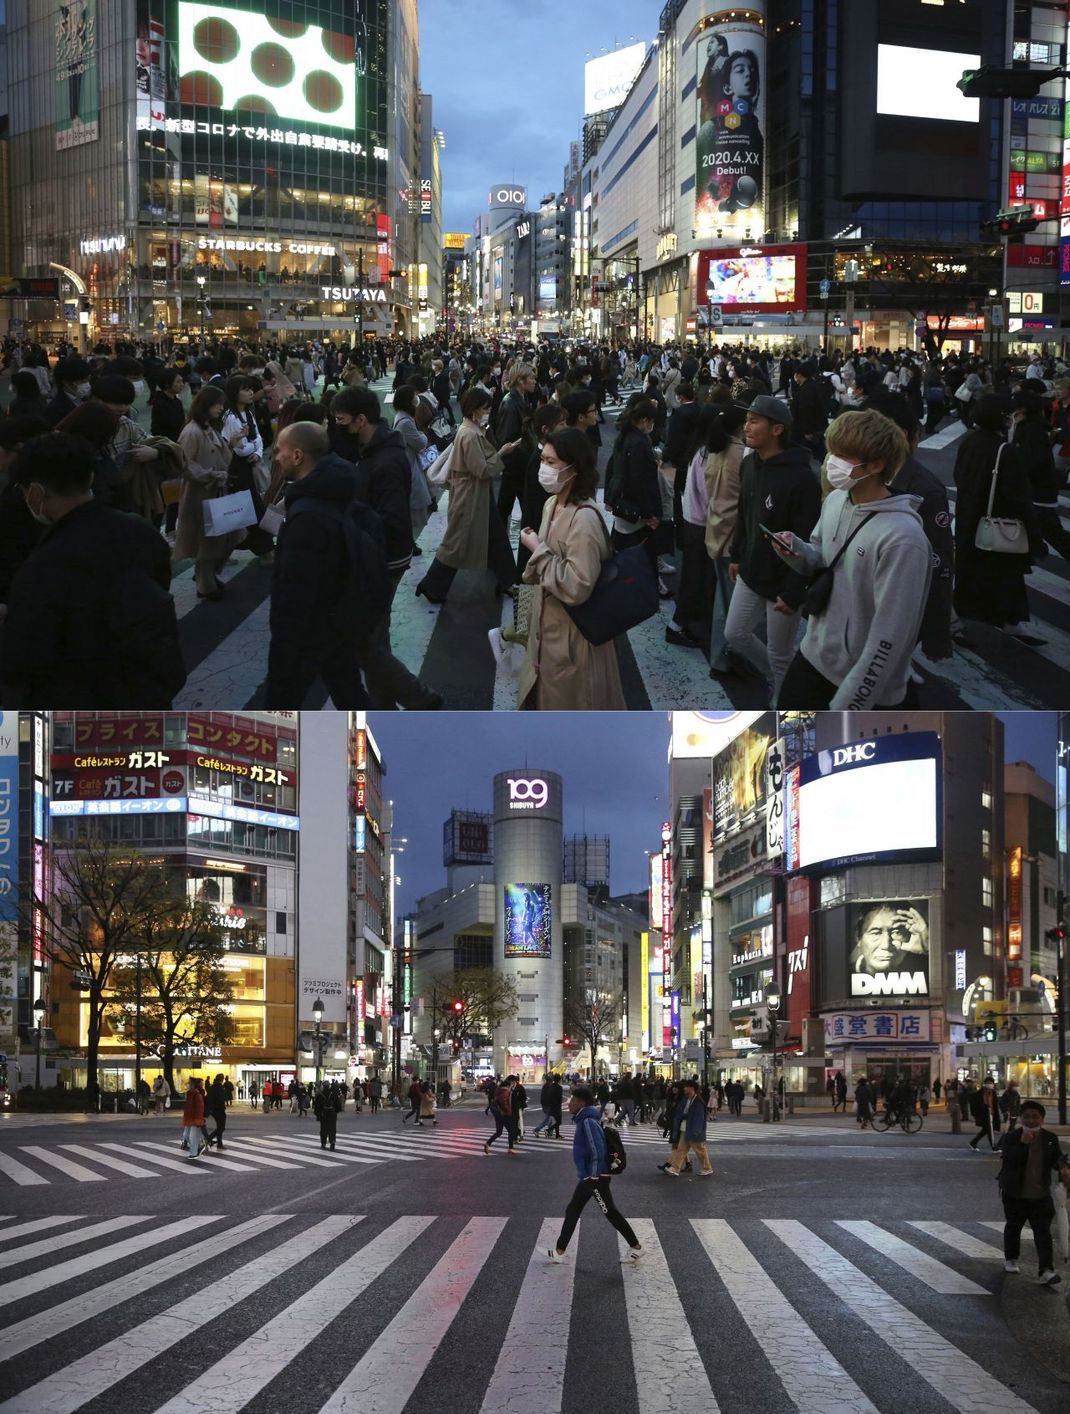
618	1159
367	594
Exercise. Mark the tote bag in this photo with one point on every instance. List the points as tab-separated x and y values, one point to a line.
625	595
226	513
1000	536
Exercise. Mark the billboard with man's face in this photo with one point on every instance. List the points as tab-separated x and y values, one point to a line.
890	948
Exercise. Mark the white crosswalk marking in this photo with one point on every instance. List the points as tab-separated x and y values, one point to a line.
58	1320
177	1165
962	1242
998	1227
36	1225
97	1372
109	1161
12	1256
340	1156
280	1145
248	1151
382	1381
231	1382
21	1173
46	1277
67	1166
213	1162
660	1339
809	1372
963	1383
927	1269
533	1377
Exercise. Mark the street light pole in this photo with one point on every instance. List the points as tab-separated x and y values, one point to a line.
705	1027
39	1007
1060	973
772	1001
137	1031
317	1012
434	1039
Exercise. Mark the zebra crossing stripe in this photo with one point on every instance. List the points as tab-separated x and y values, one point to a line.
21	1173
131	1170
58	1320
67	1166
383	1380
339	1156
963	1242
245	1151
37	1225
809	1372
231	1382
998	1227
928	1270
326	1163
47	1277
965	1385
659	1334
95	1373
533	1377
178	1165
213	1162
29	1250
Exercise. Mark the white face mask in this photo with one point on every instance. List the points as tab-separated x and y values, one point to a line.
841	474
552	480
483	419
82	389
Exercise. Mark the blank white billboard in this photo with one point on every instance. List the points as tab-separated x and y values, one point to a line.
920	83
878	809
606	81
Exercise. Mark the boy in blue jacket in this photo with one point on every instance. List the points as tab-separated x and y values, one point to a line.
591	1158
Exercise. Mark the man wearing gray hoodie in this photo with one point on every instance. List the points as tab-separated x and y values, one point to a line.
856	650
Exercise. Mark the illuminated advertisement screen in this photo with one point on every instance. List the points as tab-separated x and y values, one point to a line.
739	780
730	144
527	920
889	942
606	80
867	800
244	61
920	83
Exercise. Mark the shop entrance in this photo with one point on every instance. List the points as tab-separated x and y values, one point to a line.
886	1070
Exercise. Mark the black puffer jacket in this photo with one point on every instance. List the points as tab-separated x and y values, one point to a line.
781	493
634	493
384	482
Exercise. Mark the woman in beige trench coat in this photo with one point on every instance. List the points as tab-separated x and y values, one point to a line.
475	538
563	671
208	457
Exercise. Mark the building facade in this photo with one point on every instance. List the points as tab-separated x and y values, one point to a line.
177	167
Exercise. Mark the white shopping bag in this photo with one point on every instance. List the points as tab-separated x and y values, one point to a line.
227	513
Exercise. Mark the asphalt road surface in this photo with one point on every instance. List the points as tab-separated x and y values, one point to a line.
819	1269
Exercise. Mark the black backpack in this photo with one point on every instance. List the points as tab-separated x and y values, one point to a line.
367	593
143	629
616	1157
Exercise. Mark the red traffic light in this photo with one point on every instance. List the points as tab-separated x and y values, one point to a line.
458	1006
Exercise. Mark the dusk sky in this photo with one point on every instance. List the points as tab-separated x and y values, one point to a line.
507	83
614	767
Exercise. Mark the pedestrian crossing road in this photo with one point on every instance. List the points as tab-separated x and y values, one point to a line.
349	1312
225	643
147	1153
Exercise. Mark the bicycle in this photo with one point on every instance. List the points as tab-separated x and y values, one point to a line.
909	1121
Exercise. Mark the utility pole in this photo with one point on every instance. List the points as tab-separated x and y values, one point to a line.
705	1027
1060	963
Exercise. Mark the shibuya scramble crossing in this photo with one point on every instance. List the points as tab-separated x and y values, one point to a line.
783	998
534	707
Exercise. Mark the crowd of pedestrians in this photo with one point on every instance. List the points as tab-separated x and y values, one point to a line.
735	485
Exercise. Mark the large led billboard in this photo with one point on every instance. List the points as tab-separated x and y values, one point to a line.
889	941
757	279
527	920
238	60
865	800
730	145
920	83
606	80
739	780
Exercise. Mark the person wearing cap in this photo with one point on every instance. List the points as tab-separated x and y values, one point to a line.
857	648
810	408
778	492
1032	1161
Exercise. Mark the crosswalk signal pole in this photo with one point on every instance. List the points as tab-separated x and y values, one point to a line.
1060	965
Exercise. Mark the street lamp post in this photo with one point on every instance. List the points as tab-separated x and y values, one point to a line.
39	1007
772	1001
705	1027
434	1040
317	1013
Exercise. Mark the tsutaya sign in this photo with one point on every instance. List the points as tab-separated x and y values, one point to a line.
353	292
527	794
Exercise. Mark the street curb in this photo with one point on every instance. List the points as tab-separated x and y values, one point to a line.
1039	1319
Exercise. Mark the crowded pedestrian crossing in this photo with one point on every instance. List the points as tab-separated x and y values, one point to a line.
212	1311
139	1158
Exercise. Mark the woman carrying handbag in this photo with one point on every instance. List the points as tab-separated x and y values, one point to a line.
996	535
208	456
247	471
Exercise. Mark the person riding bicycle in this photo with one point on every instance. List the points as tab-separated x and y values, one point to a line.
901	1099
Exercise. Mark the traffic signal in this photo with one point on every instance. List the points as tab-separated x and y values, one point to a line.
565	1041
1057	935
1012	224
456	1046
458	1007
991	1033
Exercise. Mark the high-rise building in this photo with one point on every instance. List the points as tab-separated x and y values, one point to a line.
215	164
1032	891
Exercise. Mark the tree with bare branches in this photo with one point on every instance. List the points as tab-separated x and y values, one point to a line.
107	902
472	1002
595	1016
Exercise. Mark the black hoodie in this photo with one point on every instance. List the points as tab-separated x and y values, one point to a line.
384	482
781	493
